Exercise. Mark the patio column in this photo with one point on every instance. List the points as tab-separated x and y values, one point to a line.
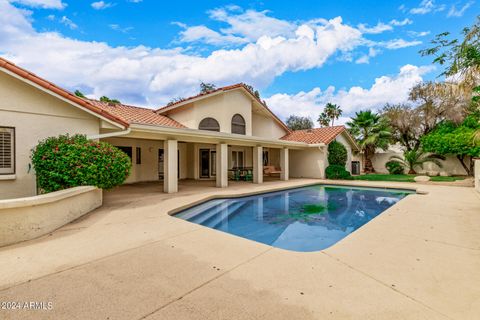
258	164
170	166
284	164
222	165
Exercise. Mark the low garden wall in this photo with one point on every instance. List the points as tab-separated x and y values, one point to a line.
27	218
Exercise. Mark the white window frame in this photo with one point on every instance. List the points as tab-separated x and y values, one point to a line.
11	169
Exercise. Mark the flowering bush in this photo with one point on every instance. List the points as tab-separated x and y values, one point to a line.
70	161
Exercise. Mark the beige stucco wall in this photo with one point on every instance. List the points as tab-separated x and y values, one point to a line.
308	163
477	175
451	165
148	169
35	115
222	107
31	217
266	127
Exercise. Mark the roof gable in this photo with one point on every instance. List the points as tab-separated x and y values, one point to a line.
319	135
238	86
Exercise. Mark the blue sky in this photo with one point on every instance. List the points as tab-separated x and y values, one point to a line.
359	54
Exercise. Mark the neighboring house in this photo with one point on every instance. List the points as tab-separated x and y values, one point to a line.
202	137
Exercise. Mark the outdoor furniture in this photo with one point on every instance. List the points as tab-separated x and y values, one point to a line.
271	170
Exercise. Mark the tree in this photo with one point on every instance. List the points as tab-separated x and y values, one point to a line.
299	123
206	87
333	111
371	131
78	93
337	153
416	158
108	100
405	123
323	120
457	140
175	100
252	90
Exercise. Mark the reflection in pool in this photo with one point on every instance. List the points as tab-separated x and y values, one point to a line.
303	219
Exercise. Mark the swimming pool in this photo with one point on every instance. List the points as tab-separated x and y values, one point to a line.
303	219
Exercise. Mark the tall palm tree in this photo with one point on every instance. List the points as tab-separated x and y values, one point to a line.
332	111
371	132
417	158
323	120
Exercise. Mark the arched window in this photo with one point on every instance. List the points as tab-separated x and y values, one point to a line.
209	124
238	124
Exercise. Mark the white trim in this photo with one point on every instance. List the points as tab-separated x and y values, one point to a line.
8	177
194	133
13	74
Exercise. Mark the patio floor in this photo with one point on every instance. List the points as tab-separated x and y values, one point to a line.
129	259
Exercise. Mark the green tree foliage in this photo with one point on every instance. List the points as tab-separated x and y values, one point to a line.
206	87
252	90
336	172
299	123
330	113
457	140
108	100
79	93
337	154
65	162
416	158
371	131
394	167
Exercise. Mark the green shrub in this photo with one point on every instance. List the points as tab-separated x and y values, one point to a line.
394	167
337	154
336	172
64	162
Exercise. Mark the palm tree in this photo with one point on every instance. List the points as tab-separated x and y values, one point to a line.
371	132
417	158
323	120
332	111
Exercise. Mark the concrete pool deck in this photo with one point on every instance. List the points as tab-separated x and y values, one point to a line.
129	259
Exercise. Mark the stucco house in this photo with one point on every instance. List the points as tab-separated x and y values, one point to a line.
201	137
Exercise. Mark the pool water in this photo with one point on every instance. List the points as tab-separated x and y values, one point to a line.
303	219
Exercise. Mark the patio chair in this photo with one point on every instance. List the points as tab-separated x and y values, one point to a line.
249	175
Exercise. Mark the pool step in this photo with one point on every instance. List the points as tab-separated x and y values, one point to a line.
222	212
232	211
196	212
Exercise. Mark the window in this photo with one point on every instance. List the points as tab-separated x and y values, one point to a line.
127	150
7	150
237	159
209	124
238	124
138	155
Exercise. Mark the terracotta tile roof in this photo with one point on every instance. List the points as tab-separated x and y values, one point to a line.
226	88
317	135
57	90
132	114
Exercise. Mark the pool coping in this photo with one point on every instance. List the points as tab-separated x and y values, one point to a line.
174	211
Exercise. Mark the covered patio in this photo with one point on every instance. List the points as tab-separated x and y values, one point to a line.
172	157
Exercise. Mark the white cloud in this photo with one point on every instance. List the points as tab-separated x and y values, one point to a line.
418	33
379	28
151	76
207	35
119	28
385	89
427	6
454	12
69	23
401	23
100	5
364	59
44	4
398	44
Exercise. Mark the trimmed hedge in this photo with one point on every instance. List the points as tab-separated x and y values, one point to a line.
69	161
394	167
337	154
336	172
